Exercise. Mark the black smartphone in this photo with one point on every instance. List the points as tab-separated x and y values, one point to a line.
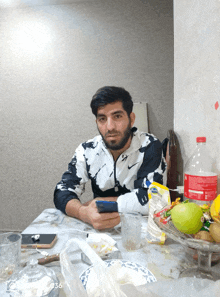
106	206
45	241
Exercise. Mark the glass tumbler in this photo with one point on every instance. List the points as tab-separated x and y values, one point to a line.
10	253
131	230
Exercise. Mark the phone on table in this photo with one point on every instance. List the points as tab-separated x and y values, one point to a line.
106	206
45	241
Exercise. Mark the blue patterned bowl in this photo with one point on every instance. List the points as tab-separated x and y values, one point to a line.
144	272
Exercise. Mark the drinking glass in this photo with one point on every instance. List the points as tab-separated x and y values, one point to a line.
10	253
131	230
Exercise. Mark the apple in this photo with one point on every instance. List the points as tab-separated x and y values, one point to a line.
186	217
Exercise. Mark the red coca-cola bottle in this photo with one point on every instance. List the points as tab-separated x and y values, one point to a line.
200	183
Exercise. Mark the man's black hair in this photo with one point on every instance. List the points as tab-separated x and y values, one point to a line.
107	95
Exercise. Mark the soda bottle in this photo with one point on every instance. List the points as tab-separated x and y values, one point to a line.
200	183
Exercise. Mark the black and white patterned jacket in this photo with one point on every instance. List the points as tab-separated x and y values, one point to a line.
126	178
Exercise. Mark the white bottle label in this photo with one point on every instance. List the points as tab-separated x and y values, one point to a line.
200	187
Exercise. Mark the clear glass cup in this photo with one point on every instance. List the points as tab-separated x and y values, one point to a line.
10	254
131	230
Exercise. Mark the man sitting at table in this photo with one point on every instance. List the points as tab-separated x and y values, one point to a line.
118	162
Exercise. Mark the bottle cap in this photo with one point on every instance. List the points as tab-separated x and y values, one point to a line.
201	139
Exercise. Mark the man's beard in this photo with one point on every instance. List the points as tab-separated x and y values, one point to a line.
112	145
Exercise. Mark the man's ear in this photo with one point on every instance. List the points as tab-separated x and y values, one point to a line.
132	117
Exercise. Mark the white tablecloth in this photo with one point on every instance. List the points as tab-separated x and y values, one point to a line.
165	261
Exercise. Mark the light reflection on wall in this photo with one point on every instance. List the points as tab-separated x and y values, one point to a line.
31	37
9	3
28	42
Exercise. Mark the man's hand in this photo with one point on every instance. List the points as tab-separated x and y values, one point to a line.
88	213
98	220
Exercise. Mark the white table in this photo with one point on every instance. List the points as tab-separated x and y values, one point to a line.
164	261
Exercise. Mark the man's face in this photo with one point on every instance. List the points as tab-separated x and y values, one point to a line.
114	125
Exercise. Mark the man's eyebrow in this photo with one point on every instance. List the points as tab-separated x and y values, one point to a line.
100	115
114	113
118	112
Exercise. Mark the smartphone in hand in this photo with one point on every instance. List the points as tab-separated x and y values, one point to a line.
106	206
45	241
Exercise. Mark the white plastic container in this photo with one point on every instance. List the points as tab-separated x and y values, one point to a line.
200	183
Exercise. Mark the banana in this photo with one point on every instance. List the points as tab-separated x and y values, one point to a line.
215	209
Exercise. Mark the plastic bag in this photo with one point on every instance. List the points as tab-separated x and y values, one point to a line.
108	287
159	197
73	285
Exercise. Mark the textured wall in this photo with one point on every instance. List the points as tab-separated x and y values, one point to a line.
53	59
197	76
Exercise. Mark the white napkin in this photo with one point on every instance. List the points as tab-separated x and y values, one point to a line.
102	244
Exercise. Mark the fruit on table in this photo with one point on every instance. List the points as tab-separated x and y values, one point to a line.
204	235
215	209
214	230
186	217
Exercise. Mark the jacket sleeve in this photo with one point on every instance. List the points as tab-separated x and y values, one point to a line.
152	169
72	184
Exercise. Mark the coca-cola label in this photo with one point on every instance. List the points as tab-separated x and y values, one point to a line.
200	187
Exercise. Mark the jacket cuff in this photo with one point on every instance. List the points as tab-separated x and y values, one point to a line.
129	203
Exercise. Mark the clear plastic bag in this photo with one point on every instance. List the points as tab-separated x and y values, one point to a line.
159	197
108	287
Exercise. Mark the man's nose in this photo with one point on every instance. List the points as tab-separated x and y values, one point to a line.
110	124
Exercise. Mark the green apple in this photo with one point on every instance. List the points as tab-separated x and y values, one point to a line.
186	217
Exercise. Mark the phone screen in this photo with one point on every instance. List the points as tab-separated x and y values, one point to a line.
45	241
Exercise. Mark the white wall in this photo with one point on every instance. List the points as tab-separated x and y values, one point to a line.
54	55
197	76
